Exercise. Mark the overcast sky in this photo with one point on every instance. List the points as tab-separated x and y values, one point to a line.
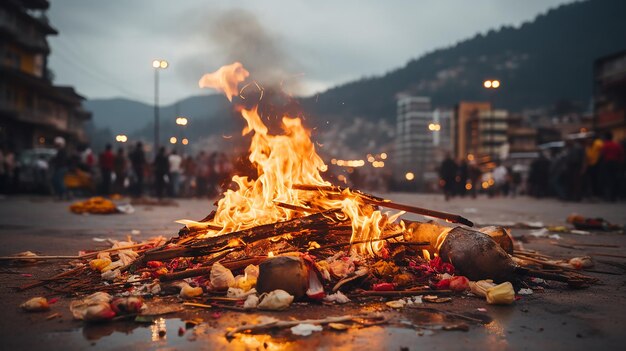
105	48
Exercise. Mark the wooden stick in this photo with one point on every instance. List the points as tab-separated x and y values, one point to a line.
287	324
402	293
232	265
373	200
44	281
606	255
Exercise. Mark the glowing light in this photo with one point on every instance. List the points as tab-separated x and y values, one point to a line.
485	185
185	141
378	164
173	140
468	186
370	159
409	176
160	64
182	121
495	84
434	127
487	84
121	138
333	161
470	157
383	156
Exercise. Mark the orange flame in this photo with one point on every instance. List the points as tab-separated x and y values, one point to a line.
282	161
225	79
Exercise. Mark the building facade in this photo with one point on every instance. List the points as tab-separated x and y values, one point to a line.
610	95
33	111
423	138
465	127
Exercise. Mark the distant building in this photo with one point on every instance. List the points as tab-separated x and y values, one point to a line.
32	110
492	132
610	94
414	141
465	127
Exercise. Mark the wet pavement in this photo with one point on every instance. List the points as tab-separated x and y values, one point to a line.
557	318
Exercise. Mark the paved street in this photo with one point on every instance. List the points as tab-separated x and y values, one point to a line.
558	318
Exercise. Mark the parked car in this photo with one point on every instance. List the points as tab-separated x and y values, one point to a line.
32	177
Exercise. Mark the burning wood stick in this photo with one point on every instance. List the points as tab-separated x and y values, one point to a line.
203	247
374	200
287	324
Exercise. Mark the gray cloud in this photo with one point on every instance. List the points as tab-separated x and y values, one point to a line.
105	47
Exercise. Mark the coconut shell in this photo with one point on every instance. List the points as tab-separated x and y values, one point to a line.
476	256
286	273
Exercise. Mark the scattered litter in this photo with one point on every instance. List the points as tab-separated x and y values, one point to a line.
275	300
502	294
525	291
305	329
36	304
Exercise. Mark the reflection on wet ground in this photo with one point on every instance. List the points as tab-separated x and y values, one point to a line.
402	329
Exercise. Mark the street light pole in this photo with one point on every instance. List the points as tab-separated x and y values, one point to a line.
157	65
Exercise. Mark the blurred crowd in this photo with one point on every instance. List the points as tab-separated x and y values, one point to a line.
584	169
123	171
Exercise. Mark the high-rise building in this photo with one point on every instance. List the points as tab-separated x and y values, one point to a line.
413	152
479	130
32	110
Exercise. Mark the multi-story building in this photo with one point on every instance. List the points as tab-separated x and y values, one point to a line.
610	95
414	141
32	110
492	132
465	127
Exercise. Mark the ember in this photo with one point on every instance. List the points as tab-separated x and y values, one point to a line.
289	235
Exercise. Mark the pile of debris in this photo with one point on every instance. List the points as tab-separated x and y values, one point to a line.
289	235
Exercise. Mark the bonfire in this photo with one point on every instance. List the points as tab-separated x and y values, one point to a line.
290	235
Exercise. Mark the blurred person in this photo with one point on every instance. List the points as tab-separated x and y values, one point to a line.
461	178
60	165
575	158
558	174
189	172
106	160
41	175
138	163
474	175
3	173
202	174
501	179
12	171
516	181
447	173
538	177
612	155
175	170
88	160
121	170
591	181
161	172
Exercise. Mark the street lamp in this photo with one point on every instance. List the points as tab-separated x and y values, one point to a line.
492	84
157	65
121	138
181	121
